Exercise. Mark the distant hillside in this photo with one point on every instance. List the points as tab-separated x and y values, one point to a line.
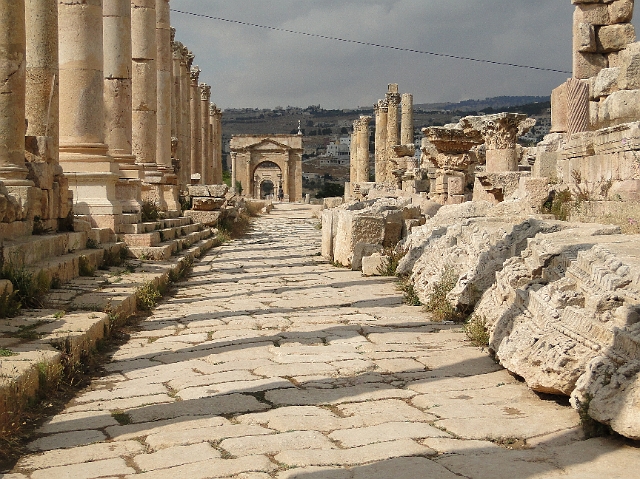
499	103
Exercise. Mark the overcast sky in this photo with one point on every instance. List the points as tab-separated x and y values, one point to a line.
252	67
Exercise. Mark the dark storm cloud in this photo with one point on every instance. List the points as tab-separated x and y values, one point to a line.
251	67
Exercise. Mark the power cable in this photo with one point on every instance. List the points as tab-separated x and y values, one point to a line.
369	44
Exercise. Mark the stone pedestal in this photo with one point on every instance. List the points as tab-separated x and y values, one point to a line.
381	110
91	172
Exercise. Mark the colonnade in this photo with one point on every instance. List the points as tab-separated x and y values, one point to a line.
102	106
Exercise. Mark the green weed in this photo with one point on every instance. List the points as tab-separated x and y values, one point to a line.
437	303
147	296
476	330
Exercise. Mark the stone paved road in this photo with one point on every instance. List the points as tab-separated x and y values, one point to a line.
269	362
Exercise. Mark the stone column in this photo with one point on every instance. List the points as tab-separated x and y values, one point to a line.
196	148
406	136
216	121
13	44
164	87
362	159
185	110
91	172
500	133
234	170
381	112
176	108
249	176
205	146
116	18
285	180
145	86
353	156
393	100
42	109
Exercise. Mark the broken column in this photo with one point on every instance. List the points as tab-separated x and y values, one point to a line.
381	110
91	172
361	127
500	133
196	148
42	110
117	101
205	146
393	100
406	136
454	163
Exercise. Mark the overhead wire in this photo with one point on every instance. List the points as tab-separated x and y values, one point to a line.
369	44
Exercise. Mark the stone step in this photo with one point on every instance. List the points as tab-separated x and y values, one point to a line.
155	237
32	249
102	235
165	250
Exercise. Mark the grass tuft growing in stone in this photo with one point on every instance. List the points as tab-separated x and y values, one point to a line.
122	417
84	267
410	296
29	288
5	353
476	330
147	296
437	303
9	305
390	268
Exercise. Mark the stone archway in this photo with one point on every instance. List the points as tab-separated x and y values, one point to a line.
267	178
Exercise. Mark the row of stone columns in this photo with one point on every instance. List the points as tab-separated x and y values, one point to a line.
388	135
101	91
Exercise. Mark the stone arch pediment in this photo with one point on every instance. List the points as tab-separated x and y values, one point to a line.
268	145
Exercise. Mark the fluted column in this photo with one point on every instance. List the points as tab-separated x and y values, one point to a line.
13	44
381	113
83	152
164	82
406	129
145	85
196	135
205	135
361	127
177	127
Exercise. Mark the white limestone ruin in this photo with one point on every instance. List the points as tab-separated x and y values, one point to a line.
560	299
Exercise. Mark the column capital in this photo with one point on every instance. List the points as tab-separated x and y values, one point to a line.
195	74
361	124
393	99
382	106
188	54
172	32
500	131
205	92
215	111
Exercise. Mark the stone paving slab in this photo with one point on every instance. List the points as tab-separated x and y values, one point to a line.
271	363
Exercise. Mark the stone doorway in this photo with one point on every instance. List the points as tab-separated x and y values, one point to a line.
267	189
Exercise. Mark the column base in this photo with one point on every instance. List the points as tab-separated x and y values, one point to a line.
129	193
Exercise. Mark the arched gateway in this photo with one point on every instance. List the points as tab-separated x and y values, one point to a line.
264	164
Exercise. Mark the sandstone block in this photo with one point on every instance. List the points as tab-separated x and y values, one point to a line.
559	109
592	13
620	107
620	11
328	203
455	185
372	265
606	82
586	65
361	251
352	229
615	37
584	37
629	62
